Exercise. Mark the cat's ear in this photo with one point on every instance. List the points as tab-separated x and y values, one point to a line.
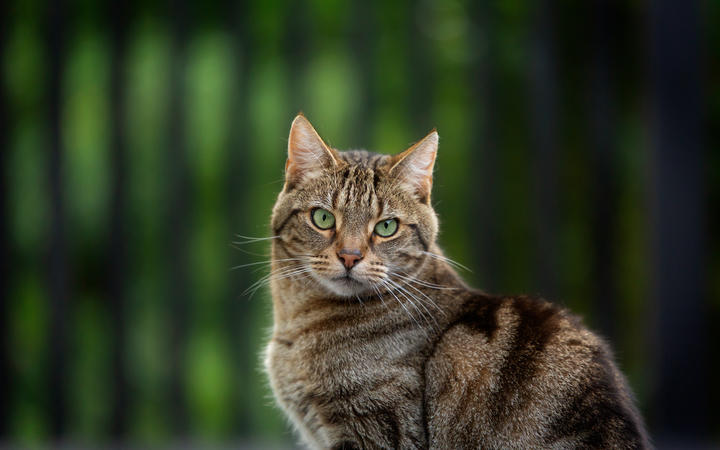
414	167
308	155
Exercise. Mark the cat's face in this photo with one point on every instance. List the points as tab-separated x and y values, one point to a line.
355	222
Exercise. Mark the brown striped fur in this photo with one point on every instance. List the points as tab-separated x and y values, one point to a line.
403	354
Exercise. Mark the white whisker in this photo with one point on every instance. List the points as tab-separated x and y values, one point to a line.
410	297
430	300
277	274
252	239
247	252
387	286
382	300
427	284
445	259
264	263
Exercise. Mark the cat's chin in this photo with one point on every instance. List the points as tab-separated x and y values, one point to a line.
346	286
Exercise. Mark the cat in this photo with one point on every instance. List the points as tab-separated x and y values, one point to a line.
378	343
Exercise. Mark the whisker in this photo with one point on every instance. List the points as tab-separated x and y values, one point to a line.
406	276
430	300
383	282
445	259
411	297
271	276
382	300
257	283
389	284
299	273
235	247
264	262
299	277
252	239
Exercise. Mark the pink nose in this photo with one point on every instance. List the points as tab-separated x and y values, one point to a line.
349	257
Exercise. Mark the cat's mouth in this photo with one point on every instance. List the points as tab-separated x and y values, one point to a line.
348	285
347	279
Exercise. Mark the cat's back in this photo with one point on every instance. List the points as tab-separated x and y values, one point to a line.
522	370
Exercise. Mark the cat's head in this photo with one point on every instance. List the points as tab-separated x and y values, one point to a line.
354	221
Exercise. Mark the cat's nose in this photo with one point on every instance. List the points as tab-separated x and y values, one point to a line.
349	257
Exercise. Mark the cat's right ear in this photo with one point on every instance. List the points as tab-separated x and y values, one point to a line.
308	155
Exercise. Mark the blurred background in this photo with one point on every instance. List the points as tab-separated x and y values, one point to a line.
579	160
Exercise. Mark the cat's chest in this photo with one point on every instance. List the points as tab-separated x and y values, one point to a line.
328	364
322	382
344	348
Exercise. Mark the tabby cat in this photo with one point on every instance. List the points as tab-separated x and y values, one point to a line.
378	343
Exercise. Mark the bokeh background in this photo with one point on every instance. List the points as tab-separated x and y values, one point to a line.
579	160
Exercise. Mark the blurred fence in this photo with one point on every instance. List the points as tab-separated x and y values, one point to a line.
577	161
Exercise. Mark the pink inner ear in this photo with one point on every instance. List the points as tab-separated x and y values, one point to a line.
307	153
416	164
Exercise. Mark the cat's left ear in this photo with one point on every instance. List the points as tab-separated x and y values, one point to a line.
308	155
414	166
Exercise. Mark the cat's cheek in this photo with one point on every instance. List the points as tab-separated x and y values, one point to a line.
319	239
394	244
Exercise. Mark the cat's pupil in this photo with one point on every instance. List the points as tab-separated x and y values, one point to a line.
324	217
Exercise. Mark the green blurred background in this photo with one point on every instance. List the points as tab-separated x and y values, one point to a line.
579	160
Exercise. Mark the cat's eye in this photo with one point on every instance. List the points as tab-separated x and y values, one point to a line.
386	228
323	219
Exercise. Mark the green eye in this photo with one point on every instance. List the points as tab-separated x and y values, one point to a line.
386	228
323	218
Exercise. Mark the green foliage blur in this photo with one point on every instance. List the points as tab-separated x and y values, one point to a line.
208	91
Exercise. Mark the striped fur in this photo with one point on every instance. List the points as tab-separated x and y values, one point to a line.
405	355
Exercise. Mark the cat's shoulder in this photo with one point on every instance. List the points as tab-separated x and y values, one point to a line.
519	324
484	313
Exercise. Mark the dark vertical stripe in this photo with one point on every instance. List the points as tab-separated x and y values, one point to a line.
239	313
420	73
296	53
712	48
177	217
678	241
419	236
597	413
480	315
483	157
538	322
57	257
118	219
604	177
5	377
362	43
543	86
